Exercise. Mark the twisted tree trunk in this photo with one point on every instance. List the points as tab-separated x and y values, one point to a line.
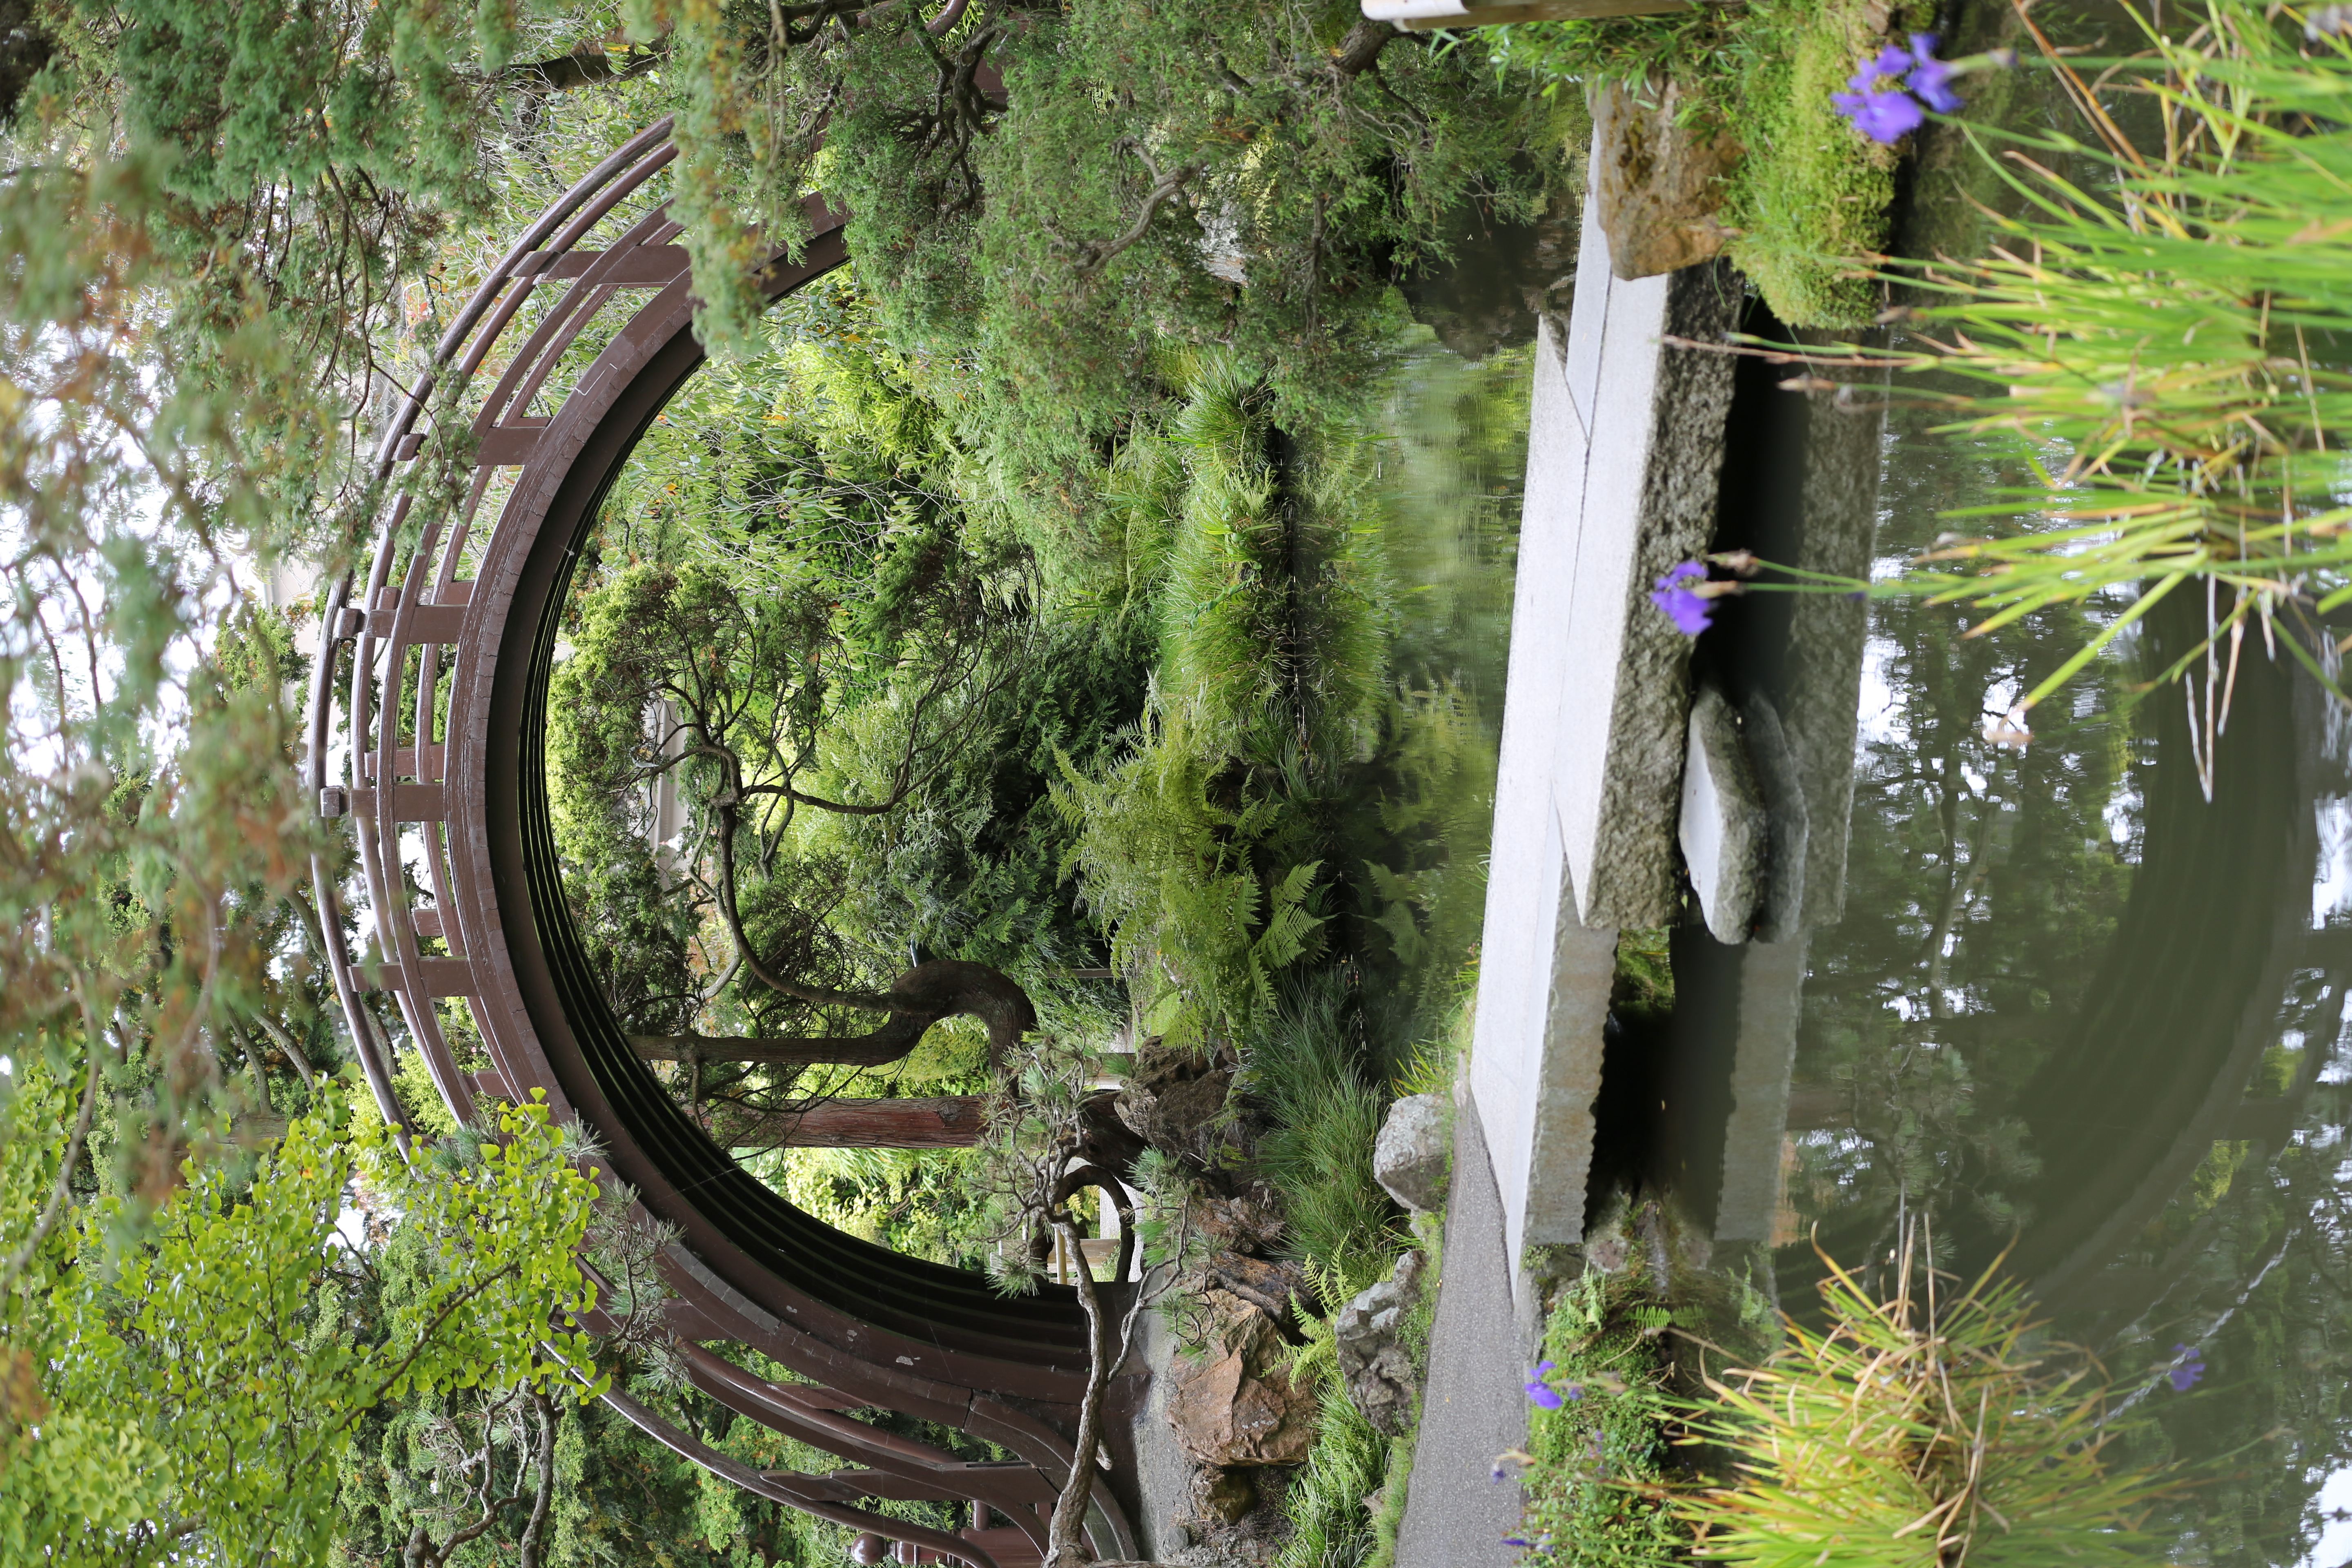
940	988
942	1121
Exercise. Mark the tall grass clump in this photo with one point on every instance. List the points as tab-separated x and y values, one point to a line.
1329	1525
2164	327
1302	1066
1920	1432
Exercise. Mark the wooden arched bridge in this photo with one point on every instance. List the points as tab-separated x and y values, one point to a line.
597	291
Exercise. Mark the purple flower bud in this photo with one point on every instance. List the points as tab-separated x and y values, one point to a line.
1514	1540
2188	1366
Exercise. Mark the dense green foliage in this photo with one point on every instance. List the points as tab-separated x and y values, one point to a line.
1296	795
876	575
1596	1464
213	1380
1254	176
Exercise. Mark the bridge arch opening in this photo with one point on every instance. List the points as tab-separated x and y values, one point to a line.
434	670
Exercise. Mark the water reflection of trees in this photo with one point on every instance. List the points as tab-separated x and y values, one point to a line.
2266	1300
2128	1089
1983	886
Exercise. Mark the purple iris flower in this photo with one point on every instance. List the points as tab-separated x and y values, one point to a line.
1929	75
1884	117
1689	611
1877	102
2188	1366
1542	1393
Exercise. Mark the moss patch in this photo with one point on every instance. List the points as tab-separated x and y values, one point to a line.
1810	198
1595	1488
1811	195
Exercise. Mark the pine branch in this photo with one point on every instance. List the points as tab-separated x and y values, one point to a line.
1094	253
584	66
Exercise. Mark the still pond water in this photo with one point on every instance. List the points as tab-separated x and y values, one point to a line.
2080	1019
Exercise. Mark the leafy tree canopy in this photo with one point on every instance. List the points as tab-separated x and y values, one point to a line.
206	1386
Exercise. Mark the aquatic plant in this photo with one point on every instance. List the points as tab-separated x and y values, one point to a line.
1921	1429
2157	334
1924	1430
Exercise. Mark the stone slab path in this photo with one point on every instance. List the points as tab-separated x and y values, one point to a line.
1456	1514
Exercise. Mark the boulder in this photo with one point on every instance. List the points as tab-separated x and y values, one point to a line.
1225	1496
1375	1368
1271	1287
1247	1222
1657	179
1414	1156
1234	1405
1175	1098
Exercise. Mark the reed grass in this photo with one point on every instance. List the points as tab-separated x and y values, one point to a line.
1919	1431
2164	331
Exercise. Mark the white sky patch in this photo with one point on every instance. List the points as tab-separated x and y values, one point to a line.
2334	1547
2121	813
351	1222
2331	889
1880	714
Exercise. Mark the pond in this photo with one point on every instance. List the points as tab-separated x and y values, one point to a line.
2078	1021
2077	1010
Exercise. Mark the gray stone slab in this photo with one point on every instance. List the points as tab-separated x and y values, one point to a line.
1724	831
1535	1060
1456	1514
1632	490
1625	451
1771	987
